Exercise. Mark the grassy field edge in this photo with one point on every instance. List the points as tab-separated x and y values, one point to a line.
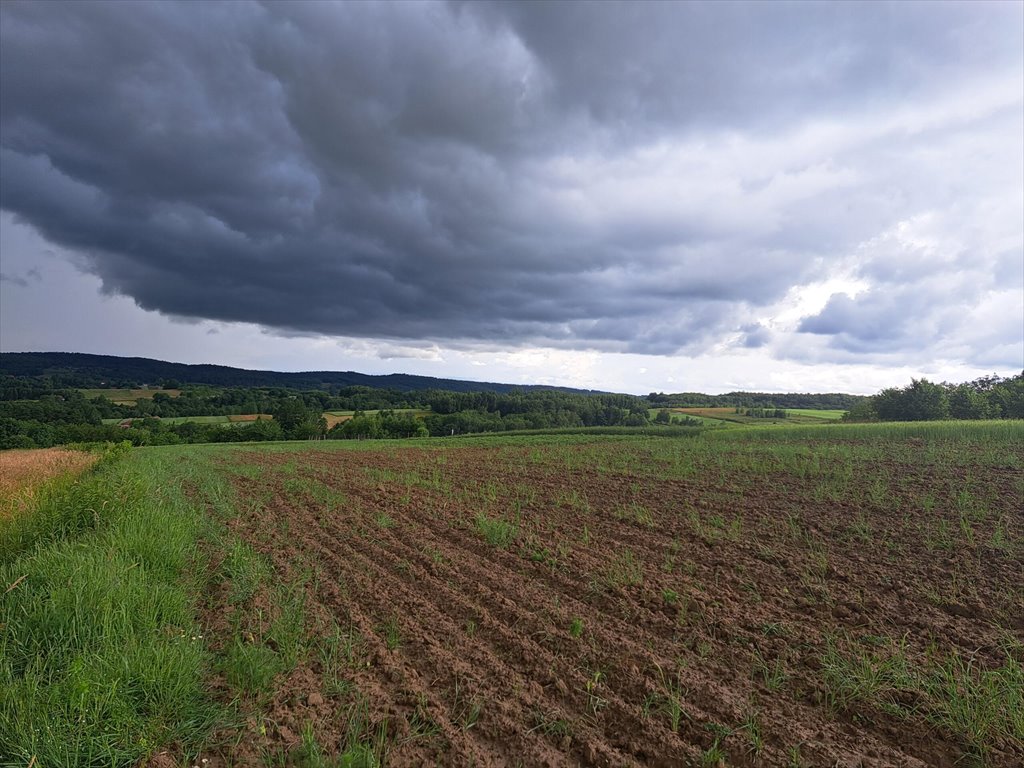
102	661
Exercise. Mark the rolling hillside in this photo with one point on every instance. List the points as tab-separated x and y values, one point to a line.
72	369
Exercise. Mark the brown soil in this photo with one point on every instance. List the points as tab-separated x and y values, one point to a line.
687	589
712	413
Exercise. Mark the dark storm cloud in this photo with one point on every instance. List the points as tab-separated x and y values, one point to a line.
619	176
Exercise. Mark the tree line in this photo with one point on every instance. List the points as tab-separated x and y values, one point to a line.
988	397
75	369
61	416
828	401
35	414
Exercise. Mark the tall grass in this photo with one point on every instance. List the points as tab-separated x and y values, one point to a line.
101	661
60	508
1004	430
982	708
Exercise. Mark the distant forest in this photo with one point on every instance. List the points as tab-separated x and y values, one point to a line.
827	401
989	397
76	370
42	403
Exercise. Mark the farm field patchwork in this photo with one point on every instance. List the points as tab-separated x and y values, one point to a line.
340	417
128	396
333	418
804	597
730	416
818	413
245	418
704	421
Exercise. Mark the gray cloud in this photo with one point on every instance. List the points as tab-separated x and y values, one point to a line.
17	280
625	177
755	336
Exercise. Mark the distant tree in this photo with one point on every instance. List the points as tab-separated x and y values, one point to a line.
1008	397
298	421
401	425
664	416
862	411
920	401
966	402
263	429
17	441
359	427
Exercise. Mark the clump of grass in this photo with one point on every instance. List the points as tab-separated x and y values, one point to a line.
576	628
751	726
391	631
861	528
624	570
550	724
983	708
421	724
465	710
498	532
339	650
715	755
287	631
772	674
670	557
309	753
636	512
669	701
869	675
365	743
573	499
245	569
256	657
593	686
250	667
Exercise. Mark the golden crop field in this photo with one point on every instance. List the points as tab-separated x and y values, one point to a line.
333	419
22	472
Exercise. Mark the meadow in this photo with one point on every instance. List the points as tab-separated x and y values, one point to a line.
128	396
726	416
795	596
245	418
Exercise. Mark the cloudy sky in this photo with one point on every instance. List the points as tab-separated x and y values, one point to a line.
637	197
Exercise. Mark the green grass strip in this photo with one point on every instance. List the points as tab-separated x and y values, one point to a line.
101	659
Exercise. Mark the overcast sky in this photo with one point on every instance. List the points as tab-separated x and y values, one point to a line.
638	197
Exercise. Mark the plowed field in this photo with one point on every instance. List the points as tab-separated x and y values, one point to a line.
634	601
